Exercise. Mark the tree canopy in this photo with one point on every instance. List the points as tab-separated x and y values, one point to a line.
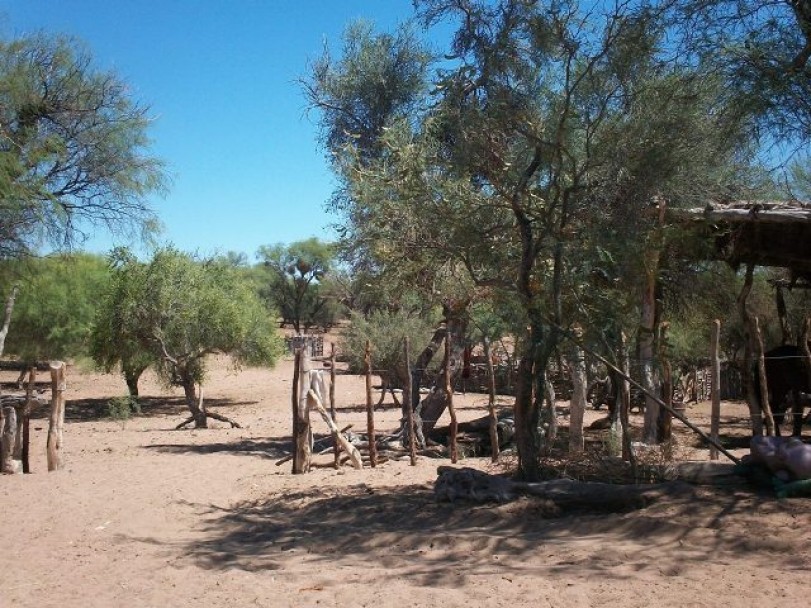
73	148
535	162
178	310
56	306
296	283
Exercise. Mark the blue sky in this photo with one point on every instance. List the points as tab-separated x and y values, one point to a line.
220	78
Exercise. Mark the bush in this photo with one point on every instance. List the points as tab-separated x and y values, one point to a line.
386	332
122	408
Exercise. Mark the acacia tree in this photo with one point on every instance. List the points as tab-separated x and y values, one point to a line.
543	144
178	310
73	148
297	273
56	306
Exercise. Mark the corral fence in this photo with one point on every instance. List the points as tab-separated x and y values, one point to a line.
314	344
692	383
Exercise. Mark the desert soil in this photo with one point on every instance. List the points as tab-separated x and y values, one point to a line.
146	516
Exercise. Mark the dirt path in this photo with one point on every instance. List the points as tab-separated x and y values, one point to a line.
147	516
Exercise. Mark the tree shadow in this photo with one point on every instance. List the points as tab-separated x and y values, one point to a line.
95	409
272	448
403	529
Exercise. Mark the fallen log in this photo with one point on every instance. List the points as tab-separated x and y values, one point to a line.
476	486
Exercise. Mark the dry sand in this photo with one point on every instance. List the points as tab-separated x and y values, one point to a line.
146	516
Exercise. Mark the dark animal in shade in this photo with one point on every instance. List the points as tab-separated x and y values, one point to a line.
787	380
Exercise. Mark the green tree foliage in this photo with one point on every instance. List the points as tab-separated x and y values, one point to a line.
56	306
386	332
178	310
296	286
534	163
73	148
763	51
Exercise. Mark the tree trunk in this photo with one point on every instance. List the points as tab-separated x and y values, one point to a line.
529	398
132	373
434	404
194	403
782	315
577	404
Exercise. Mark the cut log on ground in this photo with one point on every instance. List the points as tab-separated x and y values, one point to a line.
476	486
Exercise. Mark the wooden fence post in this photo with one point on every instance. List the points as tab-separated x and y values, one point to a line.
336	446
449	391
491	401
761	370
408	407
577	402
370	415
715	384
302	449
29	396
56	421
665	420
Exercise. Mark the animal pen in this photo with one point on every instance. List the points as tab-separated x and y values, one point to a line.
15	415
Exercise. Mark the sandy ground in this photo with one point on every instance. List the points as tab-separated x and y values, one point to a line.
146	516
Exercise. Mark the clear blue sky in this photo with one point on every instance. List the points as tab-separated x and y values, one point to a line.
220	78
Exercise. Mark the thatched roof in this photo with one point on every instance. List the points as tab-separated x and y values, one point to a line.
764	233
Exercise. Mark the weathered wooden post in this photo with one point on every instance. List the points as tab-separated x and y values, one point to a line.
624	401
665	421
302	434
408	408
768	419
449	391
577	404
370	413
715	390
336	446
491	401
56	421
755	415
9	436
29	402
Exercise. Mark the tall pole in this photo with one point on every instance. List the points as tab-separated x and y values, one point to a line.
370	415
715	387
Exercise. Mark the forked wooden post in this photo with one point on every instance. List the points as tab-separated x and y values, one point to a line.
370	412
56	421
408	407
715	387
302	437
449	391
